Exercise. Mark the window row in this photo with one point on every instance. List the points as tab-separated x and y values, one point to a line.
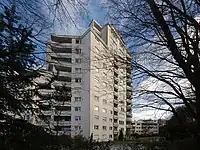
96	136
59	118
104	118
104	110
96	127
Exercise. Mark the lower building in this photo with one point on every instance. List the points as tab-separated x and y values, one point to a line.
145	127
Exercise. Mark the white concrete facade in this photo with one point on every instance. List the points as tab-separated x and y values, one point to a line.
96	68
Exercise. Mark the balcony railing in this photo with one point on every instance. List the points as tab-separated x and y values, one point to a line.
115	116
62	123
128	119
115	124
115	109
116	101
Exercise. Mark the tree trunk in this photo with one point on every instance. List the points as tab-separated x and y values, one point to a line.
198	117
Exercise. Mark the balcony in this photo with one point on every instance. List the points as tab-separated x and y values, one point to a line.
64	103
115	132
116	67
116	73
64	133
63	73
58	54
129	115
128	107
47	113
115	93
128	93
43	123
63	113
116	81
115	117
128	126
128	119
129	101
115	97
62	123
129	80
46	92
128	97
115	124
115	109
128	71
116	101
129	88
61	83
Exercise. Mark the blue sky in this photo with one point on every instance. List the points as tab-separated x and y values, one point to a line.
95	11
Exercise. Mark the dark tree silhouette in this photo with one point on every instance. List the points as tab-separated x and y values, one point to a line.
121	135
165	39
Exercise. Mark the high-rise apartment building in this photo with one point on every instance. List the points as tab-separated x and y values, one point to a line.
95	67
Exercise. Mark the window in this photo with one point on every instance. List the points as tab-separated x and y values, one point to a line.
110	128
96	108
96	79
110	136
77	118
78	51
77	90
104	84
122	109
97	39
104	136
77	41
78	60
110	111
121	122
78	80
104	65
77	99
104	127
96	88
110	120
96	117
96	136
104	110
104	101
77	70
77	127
77	108
96	127
104	118
96	98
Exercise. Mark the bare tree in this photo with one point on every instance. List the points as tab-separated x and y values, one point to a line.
164	36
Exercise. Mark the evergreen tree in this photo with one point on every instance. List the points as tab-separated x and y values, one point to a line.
121	135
